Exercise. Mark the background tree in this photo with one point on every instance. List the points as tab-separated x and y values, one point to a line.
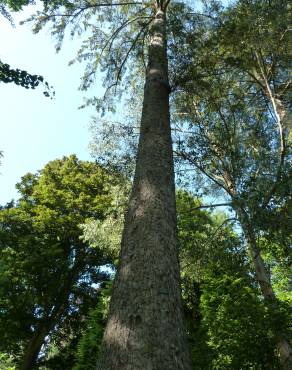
89	345
48	272
228	325
225	120
149	251
232	130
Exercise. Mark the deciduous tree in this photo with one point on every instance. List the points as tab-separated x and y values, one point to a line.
47	271
238	134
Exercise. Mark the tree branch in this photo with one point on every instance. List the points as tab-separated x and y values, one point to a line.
131	48
212	237
214	205
115	33
211	177
127	55
279	113
165	5
208	206
89	6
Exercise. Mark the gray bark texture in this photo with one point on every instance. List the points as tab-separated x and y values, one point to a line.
145	330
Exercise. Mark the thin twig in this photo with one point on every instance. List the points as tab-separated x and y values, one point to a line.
166	5
143	46
212	237
270	96
82	9
131	48
207	206
115	33
211	177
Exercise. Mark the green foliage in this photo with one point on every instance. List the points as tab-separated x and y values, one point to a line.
89	344
6	362
228	69
15	5
115	42
23	78
235	321
47	271
106	234
228	325
234	114
18	76
241	68
11	5
115	38
277	257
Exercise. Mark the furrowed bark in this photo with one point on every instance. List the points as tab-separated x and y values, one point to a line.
262	276
145	328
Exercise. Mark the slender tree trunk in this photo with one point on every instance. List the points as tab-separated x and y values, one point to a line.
32	351
145	329
33	348
263	279
262	274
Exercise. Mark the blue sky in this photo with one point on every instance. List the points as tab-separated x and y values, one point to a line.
33	128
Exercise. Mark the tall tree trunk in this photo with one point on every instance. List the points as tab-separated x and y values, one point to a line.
32	351
145	328
34	347
263	279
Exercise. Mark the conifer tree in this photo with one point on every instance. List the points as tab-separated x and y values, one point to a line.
145	328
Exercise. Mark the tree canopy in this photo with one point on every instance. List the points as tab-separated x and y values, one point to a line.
49	273
217	95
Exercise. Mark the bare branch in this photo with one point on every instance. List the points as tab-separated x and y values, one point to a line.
132	47
211	177
165	5
143	46
127	55
111	40
207	206
213	235
279	113
89	6
214	205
